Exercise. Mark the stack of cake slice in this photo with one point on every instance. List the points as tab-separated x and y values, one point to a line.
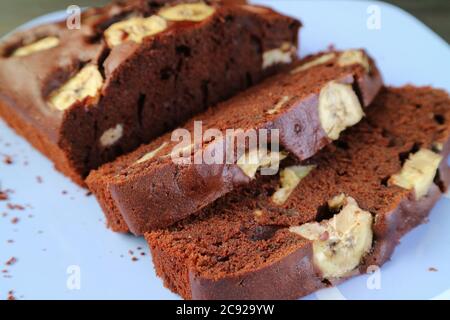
342	167
363	192
309	106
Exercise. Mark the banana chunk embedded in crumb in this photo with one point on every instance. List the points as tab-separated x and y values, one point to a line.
254	159
418	172
290	177
340	243
283	55
187	12
315	62
88	82
280	104
111	136
152	154
350	57
339	108
40	45
437	147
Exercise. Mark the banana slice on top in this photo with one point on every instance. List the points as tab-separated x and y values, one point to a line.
134	29
187	12
86	83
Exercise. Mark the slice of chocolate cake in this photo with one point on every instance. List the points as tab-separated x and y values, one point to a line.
85	93
299	111
323	220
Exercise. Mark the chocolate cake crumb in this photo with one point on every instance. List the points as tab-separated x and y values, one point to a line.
3	196
39	179
7	160
88	194
64	192
130	252
142	253
10	241
432	269
15	220
11	261
4	271
15	207
11	295
134	259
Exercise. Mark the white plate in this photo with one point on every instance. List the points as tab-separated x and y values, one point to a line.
64	251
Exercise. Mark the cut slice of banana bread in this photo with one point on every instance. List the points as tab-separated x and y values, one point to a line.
362	193
300	111
84	94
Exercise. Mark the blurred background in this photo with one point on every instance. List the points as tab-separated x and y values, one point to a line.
434	13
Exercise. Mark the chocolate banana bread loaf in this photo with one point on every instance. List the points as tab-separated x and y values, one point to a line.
346	209
84	94
299	111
